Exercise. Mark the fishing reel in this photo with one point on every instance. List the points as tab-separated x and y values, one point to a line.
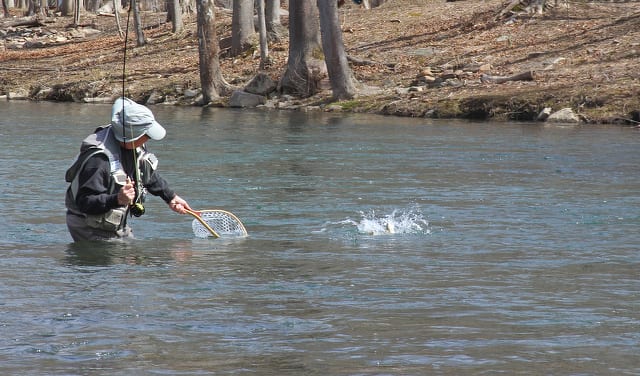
137	209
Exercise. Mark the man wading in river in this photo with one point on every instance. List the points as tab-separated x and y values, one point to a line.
106	183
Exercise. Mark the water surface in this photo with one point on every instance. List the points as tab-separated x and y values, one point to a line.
514	249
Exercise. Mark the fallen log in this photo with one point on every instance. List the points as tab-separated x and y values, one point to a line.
31	69
508	8
357	61
26	21
524	76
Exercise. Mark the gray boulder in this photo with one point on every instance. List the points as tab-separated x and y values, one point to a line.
243	99
261	84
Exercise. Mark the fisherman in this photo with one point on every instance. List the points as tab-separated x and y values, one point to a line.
113	172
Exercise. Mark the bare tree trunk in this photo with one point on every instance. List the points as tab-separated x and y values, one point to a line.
66	8
76	13
340	75
137	24
147	4
174	13
31	9
188	6
92	5
272	14
211	80
43	8
5	8
242	27
303	72
264	48
116	12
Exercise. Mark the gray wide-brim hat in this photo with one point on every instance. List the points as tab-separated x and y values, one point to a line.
138	120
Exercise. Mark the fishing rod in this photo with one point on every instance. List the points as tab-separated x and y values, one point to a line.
213	222
136	208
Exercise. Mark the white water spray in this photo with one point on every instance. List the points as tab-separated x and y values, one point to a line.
399	221
409	221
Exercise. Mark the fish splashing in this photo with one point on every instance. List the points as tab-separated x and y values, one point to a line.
398	222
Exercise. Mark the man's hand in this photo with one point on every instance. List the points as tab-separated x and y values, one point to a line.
127	193
178	205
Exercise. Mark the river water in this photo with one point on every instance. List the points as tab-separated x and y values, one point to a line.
377	246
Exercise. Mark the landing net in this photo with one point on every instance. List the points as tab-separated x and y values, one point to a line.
224	223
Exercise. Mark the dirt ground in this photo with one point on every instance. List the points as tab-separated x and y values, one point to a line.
586	57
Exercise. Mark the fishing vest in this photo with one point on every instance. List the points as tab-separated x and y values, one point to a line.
103	142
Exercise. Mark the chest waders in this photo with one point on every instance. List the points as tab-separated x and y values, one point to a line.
102	142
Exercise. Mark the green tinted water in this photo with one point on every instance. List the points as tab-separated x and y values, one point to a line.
514	249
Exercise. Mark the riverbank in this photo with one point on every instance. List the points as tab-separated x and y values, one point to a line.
415	58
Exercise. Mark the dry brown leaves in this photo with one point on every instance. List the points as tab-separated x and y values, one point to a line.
587	48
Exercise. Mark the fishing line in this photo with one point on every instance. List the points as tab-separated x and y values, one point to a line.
136	209
208	222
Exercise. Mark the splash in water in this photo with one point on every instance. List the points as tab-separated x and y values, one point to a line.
410	221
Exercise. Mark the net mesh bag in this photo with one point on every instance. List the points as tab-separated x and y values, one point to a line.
225	224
